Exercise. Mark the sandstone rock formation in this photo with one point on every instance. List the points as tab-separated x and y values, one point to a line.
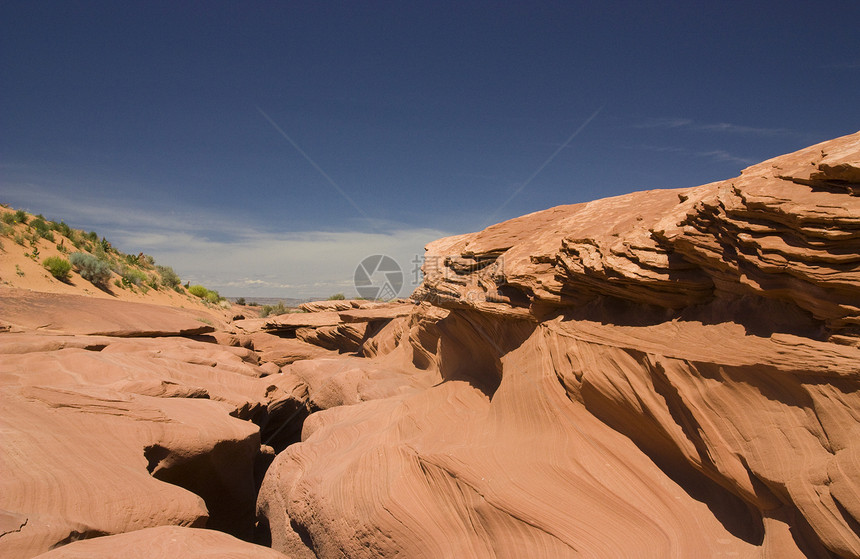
663	374
136	428
670	373
167	542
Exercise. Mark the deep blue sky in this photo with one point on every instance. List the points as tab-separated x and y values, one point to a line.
147	122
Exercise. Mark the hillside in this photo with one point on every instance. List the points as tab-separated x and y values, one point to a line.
27	240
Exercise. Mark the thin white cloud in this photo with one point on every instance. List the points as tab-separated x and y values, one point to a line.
721	155
689	124
714	154
664	122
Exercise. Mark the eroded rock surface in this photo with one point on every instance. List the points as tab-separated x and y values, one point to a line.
164	542
663	374
669	373
103	434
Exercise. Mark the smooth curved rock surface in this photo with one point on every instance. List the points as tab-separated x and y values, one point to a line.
105	435
164	542
25	310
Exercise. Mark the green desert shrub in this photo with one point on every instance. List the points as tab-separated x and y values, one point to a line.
337	297
40	225
21	216
91	268
62	229
9	218
198	291
42	228
240	301
273	310
169	278
58	266
133	277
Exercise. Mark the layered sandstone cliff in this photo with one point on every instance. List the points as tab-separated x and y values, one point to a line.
663	374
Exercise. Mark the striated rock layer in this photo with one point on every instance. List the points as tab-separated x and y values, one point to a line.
663	374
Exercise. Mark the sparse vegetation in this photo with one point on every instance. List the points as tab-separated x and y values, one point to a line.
91	268
42	229
58	266
92	256
133	277
169	278
274	310
198	291
207	295
240	301
337	297
62	229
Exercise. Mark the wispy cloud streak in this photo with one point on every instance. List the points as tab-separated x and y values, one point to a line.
689	124
313	163
543	165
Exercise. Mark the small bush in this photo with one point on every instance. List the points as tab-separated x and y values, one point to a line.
240	301
168	276
40	225
21	216
337	297
58	266
9	218
198	291
92	237
133	277
207	295
62	229
91	268
43	229
273	310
